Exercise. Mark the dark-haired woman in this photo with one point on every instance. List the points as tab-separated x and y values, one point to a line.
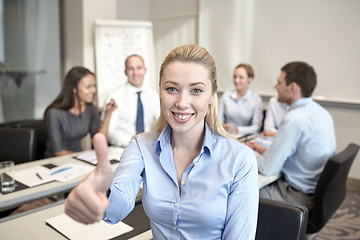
72	115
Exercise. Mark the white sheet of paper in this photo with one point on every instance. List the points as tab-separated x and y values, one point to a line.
75	230
67	172
113	153
143	236
264	141
28	176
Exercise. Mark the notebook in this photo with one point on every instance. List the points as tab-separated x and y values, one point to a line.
114	155
97	231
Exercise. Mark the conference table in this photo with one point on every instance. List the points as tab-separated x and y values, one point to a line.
33	222
15	199
32	225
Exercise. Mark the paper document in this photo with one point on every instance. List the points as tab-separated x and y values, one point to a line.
67	172
114	155
37	175
32	176
75	230
143	236
264	141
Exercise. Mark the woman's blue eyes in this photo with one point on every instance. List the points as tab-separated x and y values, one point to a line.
171	89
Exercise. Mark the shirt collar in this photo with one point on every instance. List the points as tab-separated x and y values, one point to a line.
247	95
300	102
132	88
164	138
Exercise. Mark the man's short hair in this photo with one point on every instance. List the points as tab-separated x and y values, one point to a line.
302	74
133	55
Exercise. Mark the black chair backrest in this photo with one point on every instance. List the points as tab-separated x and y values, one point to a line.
17	145
331	188
281	221
263	120
41	135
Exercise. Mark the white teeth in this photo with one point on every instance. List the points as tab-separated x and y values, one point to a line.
182	117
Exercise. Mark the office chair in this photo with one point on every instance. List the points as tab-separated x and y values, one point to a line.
281	221
330	190
41	135
17	145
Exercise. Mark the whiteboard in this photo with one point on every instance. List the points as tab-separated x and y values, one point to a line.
114	41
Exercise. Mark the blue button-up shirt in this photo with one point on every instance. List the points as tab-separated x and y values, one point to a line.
303	144
245	113
219	190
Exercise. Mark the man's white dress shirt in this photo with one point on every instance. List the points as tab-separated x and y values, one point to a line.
122	125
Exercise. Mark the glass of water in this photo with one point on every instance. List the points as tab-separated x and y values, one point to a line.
7	174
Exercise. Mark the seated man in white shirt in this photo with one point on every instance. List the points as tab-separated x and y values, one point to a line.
123	123
274	115
304	141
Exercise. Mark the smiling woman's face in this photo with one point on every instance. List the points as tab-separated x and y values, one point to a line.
241	79
86	88
185	95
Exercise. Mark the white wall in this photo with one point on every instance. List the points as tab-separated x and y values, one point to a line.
324	33
133	9
347	131
72	34
225	29
78	30
268	34
174	24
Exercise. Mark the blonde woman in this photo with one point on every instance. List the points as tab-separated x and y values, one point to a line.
198	182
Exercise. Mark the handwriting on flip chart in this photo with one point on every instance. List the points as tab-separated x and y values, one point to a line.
115	40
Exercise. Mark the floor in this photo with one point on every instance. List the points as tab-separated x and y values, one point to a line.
345	224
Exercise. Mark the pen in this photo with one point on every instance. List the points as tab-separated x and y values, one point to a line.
38	175
60	170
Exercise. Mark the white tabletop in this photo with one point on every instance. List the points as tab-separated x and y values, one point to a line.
32	225
17	198
266	180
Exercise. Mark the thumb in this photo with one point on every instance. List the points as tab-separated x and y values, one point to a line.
103	168
101	149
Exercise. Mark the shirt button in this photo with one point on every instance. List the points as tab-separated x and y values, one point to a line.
175	204
182	183
174	227
195	163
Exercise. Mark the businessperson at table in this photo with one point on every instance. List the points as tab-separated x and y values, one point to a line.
241	110
72	115
138	105
304	141
275	113
198	182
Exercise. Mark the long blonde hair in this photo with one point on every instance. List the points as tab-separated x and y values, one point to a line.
195	54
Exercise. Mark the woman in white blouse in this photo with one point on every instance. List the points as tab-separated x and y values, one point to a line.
241	110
